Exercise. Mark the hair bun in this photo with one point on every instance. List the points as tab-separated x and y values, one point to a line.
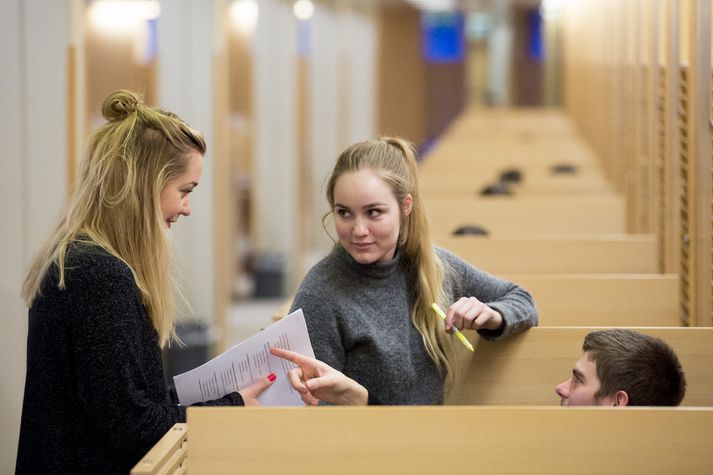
119	104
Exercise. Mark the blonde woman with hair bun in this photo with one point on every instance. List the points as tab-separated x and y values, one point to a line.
368	303
100	293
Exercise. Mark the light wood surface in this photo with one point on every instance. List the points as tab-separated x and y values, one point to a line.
490	151
525	368
558	254
168	456
604	300
595	299
450	440
535	215
446	184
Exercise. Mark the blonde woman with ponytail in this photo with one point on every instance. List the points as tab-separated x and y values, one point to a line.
368	303
100	293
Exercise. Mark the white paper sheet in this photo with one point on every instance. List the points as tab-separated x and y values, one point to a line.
246	363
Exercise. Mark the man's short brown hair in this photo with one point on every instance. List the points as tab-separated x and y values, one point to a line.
643	366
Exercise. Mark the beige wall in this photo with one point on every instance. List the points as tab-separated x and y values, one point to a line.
185	85
275	101
33	166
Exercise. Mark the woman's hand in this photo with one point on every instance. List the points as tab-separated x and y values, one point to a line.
469	313
316	381
250	393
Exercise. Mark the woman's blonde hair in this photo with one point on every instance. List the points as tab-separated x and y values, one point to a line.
394	160
116	205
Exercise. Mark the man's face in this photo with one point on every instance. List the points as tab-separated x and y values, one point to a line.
580	388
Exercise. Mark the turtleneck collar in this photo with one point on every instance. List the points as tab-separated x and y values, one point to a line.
377	270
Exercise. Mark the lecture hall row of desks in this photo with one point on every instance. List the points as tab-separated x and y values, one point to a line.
519	195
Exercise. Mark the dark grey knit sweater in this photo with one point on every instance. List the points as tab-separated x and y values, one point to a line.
95	397
358	317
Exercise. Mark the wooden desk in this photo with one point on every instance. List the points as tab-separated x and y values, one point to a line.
449	440
558	254
574	214
604	300
525	368
461	184
168	456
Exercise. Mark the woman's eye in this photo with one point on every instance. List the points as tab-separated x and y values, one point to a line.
373	213
343	213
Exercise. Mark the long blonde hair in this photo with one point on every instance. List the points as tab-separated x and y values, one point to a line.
394	160
116	205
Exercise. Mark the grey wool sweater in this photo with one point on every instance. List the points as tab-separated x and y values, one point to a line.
358	318
95	396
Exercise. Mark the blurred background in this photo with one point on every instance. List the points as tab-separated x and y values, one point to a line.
280	87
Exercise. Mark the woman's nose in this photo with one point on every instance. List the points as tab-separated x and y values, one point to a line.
186	209
360	227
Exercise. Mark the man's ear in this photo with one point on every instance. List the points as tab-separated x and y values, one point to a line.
621	398
407	204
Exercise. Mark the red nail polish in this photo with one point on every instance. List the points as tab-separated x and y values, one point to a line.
271	376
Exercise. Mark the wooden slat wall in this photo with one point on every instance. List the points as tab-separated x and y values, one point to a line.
700	164
682	197
638	85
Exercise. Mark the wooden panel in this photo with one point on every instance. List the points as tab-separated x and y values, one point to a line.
556	254
604	300
672	237
506	151
525	368
700	181
167	456
71	118
536	181
530	124
452	440
536	215
586	300
683	199
402	81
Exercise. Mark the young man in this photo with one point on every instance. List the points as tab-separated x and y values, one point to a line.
624	368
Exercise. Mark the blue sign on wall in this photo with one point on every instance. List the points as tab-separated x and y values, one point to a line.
443	37
536	47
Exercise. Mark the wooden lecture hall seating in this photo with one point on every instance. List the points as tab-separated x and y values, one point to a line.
511	381
559	230
441	439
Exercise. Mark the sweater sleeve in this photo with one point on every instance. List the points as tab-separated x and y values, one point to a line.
513	302
118	363
322	324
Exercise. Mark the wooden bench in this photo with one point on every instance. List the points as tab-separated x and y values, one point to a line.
562	254
525	368
449	440
477	147
543	122
486	150
595	299
168	456
448	184
604	299
522	369
478	158
577	214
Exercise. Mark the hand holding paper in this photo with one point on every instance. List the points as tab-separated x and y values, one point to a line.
248	362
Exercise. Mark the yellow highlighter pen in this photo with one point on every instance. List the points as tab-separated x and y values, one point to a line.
457	332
